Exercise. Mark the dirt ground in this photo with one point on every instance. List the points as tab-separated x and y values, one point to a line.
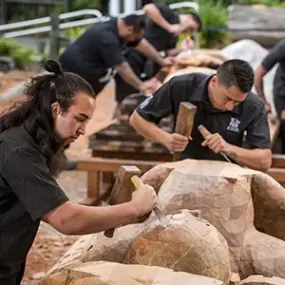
49	245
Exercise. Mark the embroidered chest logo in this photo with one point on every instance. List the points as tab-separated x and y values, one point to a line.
146	101
234	125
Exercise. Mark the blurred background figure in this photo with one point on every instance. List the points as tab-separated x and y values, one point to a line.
163	26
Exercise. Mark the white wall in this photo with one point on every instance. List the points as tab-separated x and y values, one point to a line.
114	6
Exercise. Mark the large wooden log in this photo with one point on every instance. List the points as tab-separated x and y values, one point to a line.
208	252
106	273
223	192
247	207
189	244
259	279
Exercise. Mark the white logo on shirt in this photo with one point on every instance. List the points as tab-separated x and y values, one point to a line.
145	102
111	72
234	125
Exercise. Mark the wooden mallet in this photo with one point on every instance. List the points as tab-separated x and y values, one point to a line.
122	189
184	122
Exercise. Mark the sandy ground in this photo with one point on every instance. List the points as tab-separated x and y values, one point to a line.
49	245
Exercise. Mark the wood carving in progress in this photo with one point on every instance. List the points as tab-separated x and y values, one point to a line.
212	228
223	193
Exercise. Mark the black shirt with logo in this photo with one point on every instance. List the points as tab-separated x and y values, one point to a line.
28	191
249	117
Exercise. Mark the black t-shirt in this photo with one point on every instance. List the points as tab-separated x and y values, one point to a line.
96	50
28	191
277	55
249	116
157	36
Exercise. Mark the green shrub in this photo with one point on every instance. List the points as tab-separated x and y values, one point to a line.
21	54
214	17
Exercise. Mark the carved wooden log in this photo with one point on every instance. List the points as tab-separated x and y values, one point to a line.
227	196
106	273
208	252
176	70
222	192
98	247
259	279
189	244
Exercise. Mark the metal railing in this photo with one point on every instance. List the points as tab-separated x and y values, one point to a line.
97	17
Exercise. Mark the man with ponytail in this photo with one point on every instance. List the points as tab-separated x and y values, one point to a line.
32	137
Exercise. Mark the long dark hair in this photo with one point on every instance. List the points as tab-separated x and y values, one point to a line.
36	112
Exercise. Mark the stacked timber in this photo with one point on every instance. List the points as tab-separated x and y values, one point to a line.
120	136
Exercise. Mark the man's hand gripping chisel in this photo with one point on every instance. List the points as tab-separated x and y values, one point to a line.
138	183
204	132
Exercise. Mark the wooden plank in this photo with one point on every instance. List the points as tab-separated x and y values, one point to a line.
278	174
93	188
113	165
138	154
184	122
278	161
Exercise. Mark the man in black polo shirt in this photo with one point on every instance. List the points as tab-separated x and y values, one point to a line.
225	106
276	55
57	110
98	53
162	30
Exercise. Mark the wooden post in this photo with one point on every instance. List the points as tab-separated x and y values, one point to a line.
67	5
93	187
184	122
54	37
3	12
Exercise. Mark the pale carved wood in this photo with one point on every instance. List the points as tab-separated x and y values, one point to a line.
107	273
238	202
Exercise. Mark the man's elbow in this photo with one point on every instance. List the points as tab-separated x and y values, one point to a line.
62	218
147	8
133	119
265	160
120	67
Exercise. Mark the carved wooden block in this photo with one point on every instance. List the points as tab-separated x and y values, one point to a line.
188	243
238	202
107	273
261	280
223	193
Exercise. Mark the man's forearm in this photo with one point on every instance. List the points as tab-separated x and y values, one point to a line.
128	75
259	159
153	13
88	220
149	51
174	51
258	84
148	129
